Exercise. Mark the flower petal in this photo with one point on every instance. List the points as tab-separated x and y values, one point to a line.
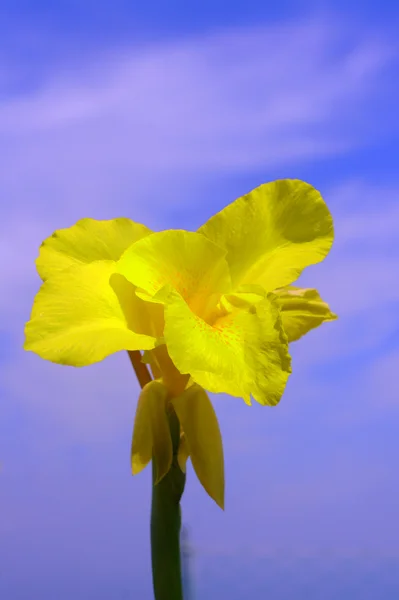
78	319
302	309
183	452
146	317
272	233
149	359
187	261
86	241
244	352
151	433
201	429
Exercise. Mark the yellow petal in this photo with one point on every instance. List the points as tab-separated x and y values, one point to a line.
183	452
78	319
86	241
201	429
272	233
151	433
302	310
145	317
244	352
149	359
187	261
245	296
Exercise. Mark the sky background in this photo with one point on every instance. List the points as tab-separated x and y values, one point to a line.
164	113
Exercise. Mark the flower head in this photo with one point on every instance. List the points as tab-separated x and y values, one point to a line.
212	310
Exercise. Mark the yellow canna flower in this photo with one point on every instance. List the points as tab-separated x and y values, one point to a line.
212	310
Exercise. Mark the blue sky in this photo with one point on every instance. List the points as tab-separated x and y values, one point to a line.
165	114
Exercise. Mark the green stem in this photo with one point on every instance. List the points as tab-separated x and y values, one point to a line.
165	525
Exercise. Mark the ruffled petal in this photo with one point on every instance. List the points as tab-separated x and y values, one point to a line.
86	241
302	309
188	262
243	353
272	233
78	318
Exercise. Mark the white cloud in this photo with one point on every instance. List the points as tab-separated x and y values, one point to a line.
126	128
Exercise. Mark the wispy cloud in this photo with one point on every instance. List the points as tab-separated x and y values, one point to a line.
232	101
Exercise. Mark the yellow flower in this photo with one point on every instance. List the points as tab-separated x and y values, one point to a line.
212	310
